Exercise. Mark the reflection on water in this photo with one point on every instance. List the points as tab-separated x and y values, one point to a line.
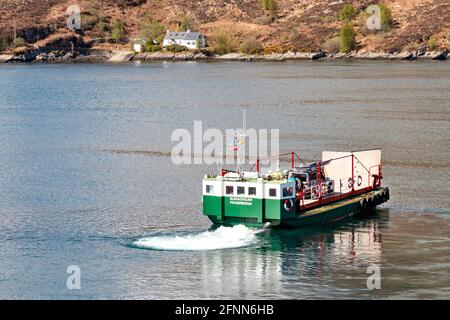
332	262
287	256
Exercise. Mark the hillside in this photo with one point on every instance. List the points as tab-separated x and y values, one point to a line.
301	25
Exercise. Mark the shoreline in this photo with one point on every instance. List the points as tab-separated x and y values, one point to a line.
105	56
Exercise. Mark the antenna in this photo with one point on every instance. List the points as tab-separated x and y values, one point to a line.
241	139
244	121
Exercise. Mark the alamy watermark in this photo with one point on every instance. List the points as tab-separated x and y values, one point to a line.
232	146
373	22
74	280
374	280
73	22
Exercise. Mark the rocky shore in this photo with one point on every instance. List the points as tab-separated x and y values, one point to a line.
125	56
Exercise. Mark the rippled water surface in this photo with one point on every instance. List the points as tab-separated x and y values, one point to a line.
86	179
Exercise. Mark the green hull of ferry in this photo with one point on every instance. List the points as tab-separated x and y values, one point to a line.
263	211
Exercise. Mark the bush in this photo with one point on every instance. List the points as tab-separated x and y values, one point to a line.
332	45
278	49
347	13
433	43
347	40
251	46
271	6
176	48
118	30
264	20
224	43
386	17
101	25
151	47
19	42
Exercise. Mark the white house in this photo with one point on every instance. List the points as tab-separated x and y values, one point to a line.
189	39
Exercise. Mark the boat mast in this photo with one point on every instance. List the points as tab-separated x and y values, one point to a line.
241	140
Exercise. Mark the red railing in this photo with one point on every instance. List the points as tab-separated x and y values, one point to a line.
322	198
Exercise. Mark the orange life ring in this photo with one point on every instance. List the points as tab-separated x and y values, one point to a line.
288	204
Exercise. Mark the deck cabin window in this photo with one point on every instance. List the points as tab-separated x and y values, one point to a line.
229	189
272	192
240	190
209	188
252	191
288	192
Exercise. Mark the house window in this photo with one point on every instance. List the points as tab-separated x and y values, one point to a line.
240	190
288	192
252	191
272	192
229	189
209	188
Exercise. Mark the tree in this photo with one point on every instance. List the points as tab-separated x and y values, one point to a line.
347	13
386	17
4	43
271	6
347	38
188	23
152	30
117	30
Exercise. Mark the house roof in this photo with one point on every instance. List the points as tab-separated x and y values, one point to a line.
183	35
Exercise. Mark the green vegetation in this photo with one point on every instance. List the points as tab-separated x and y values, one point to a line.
224	43
433	43
101	26
4	43
118	30
347	40
386	17
152	30
176	48
271	6
19	42
251	46
151	47
188	23
88	21
332	45
347	13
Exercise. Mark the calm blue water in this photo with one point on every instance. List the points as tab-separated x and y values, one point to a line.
85	172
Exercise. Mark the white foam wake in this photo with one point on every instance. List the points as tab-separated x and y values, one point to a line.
221	238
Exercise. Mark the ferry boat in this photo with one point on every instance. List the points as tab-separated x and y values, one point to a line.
338	186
